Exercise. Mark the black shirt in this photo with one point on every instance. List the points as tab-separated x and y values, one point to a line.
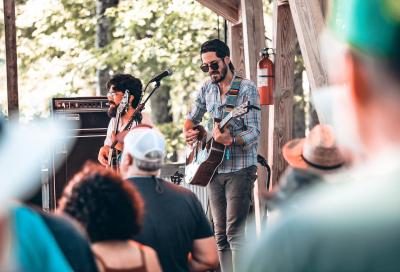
72	243
173	218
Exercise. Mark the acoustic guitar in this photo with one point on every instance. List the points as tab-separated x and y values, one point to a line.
205	155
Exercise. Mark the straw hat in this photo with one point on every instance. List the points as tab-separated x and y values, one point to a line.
316	152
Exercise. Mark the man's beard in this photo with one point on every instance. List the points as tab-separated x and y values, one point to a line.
214	74
112	110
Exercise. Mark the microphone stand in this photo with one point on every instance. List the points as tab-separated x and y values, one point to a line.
141	106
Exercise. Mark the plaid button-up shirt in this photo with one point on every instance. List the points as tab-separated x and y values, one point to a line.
248	126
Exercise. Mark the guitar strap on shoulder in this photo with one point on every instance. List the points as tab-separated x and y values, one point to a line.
230	103
232	95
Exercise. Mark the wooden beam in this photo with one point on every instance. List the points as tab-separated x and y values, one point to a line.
309	22
229	9
11	59
281	112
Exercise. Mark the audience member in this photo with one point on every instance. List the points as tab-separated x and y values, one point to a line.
72	242
110	210
310	159
174	222
33	245
352	226
27	244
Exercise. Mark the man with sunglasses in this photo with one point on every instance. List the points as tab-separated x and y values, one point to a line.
231	187
116	87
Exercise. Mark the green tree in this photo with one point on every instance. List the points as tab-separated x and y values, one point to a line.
58	57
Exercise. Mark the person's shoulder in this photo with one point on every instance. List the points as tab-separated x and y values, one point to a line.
168	186
206	86
62	223
247	86
247	83
112	121
151	257
338	199
207	83
178	189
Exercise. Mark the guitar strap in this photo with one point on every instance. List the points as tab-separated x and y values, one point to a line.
232	95
230	103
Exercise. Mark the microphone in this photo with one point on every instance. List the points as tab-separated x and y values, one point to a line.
166	73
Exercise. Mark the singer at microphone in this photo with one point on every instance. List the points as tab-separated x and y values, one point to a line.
166	73
116	86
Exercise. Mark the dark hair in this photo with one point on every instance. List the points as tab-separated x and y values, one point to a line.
128	82
108	207
219	47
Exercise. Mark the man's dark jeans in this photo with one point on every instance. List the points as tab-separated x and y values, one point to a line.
230	197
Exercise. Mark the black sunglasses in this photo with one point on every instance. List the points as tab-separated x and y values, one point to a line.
213	65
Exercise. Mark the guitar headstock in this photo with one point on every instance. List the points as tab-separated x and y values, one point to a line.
240	110
124	102
236	112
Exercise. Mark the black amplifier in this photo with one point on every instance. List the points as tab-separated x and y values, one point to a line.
90	120
88	114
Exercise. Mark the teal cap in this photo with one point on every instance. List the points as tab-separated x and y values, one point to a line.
370	26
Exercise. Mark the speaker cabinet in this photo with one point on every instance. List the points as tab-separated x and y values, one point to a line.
89	114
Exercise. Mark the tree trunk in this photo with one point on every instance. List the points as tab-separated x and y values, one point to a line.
103	37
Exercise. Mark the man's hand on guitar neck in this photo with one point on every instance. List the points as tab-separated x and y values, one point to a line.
119	139
224	138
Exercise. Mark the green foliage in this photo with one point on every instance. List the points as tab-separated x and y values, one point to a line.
58	57
174	139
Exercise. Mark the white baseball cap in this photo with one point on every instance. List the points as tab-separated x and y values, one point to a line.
145	144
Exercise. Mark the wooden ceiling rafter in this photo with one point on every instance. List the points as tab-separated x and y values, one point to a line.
229	9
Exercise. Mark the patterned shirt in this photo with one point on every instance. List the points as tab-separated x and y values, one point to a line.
248	126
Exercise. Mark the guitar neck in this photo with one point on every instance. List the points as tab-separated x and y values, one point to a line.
225	121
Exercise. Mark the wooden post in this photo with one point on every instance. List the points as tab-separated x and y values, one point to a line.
254	41
281	130
11	59
309	22
235	43
253	34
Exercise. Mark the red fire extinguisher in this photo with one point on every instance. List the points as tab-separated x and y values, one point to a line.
265	78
